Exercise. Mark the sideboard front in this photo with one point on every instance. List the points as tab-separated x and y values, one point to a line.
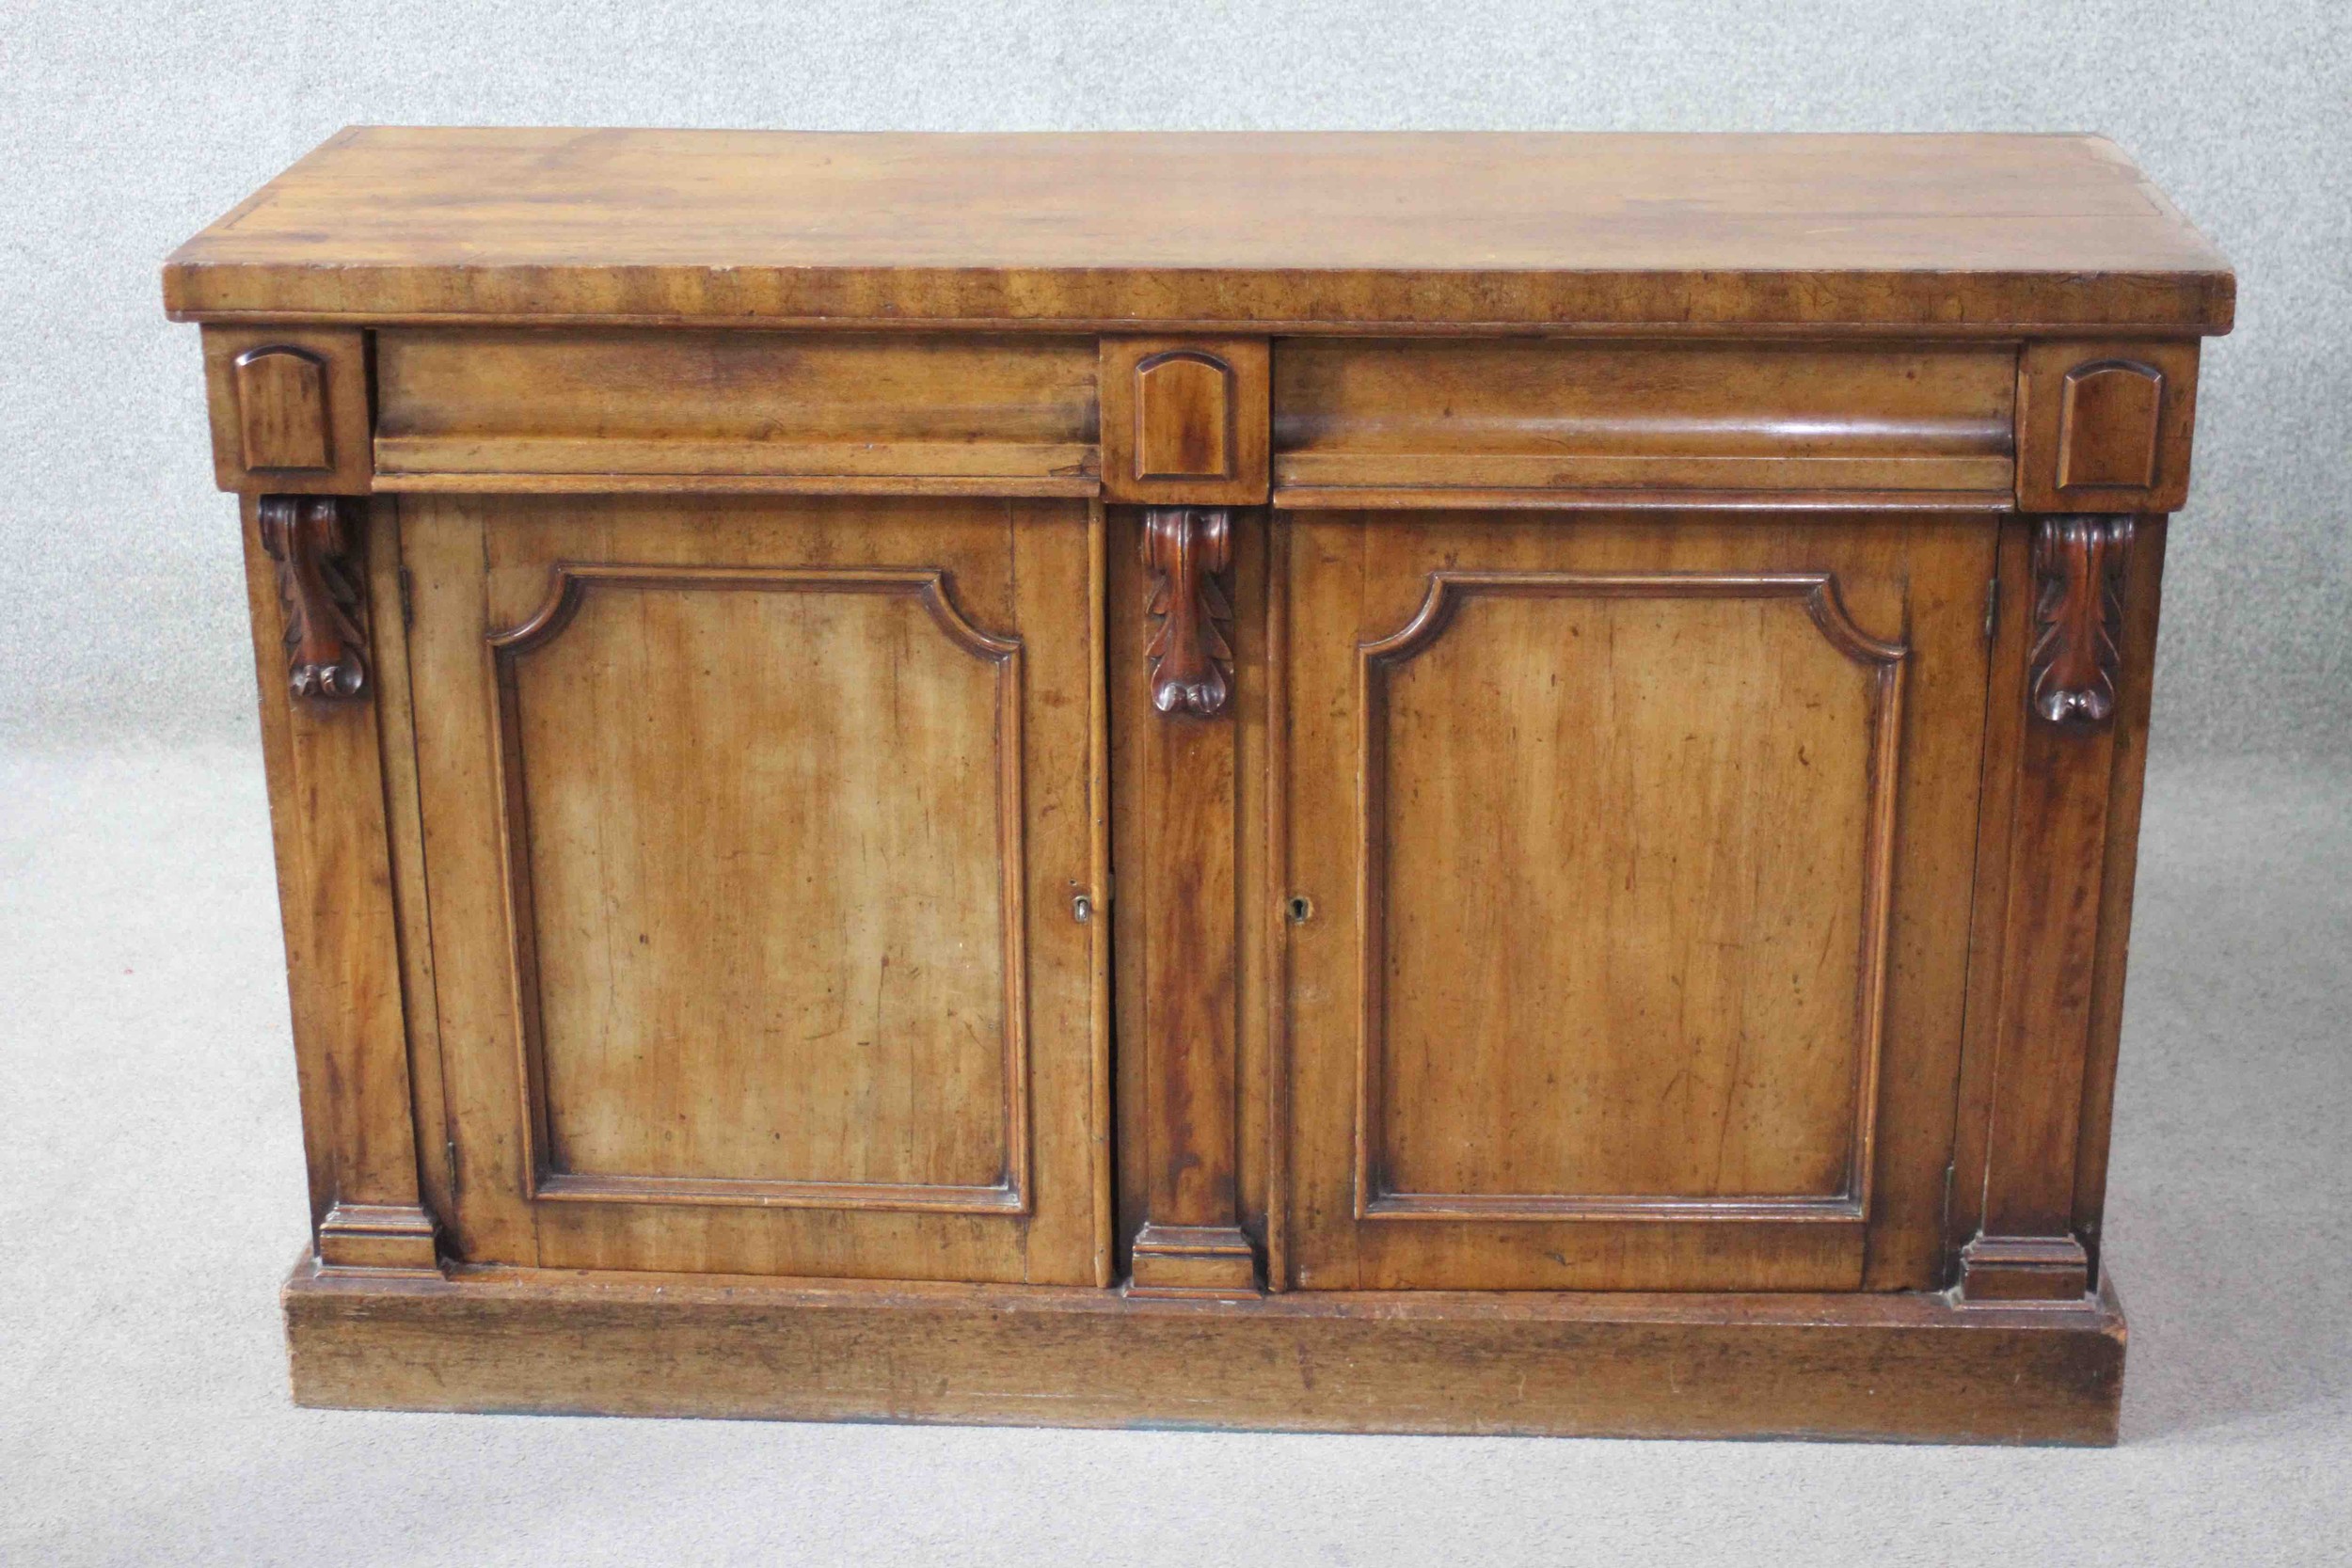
1532	832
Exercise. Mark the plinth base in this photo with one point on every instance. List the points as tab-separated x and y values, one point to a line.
1901	1368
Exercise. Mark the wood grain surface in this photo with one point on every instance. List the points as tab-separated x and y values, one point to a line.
1905	1368
1592	993
1984	234
1614	671
752	827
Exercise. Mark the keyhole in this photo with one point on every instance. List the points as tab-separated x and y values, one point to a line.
1301	909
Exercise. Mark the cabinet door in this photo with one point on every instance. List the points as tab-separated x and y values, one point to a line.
1635	853
753	829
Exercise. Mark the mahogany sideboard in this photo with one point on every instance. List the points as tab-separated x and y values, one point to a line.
1411	783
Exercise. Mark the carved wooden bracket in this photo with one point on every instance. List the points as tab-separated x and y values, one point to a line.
1188	656
2078	619
309	538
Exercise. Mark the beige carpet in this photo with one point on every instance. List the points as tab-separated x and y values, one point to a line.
151	1198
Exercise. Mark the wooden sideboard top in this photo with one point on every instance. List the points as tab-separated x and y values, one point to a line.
1964	235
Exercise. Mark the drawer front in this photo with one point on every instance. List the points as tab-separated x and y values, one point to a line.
754	829
1450	423
1637	858
465	411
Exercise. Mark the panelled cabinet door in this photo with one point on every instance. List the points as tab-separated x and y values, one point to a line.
753	829
1635	857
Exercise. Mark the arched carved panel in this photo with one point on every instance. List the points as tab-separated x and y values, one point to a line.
1624	897
290	409
281	409
1184	416
762	836
2105	425
1184	421
2109	414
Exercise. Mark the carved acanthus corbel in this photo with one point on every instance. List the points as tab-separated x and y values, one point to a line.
2078	619
307	537
1188	656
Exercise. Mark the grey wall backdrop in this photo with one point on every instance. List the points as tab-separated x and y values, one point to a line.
131	125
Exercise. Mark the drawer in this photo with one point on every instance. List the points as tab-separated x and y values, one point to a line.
1408	423
615	410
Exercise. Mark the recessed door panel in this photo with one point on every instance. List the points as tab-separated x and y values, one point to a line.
1612	826
773	962
1597	980
746	821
